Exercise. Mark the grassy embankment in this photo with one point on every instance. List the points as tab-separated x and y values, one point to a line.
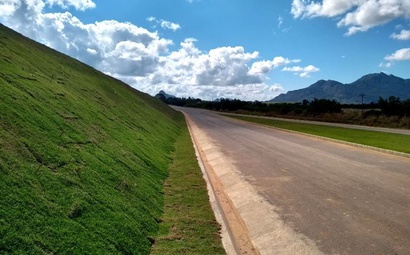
394	142
188	226
83	157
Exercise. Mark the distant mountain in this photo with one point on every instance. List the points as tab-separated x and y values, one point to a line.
162	94
372	86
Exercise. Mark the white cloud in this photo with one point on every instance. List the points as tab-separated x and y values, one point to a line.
302	71
328	8
249	92
142	58
386	65
403	35
165	24
356	15
223	66
281	61
399	55
7	7
281	27
170	25
280	21
92	51
110	46
265	66
77	4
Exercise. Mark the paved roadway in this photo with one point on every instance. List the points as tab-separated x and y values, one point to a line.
347	200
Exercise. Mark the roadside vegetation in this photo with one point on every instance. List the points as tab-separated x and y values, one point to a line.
388	141
188	225
390	112
83	158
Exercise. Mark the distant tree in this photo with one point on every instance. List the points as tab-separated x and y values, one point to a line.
406	107
390	106
321	106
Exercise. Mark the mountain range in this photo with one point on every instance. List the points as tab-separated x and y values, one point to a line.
369	88
161	94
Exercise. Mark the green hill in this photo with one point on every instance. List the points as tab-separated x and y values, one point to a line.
83	156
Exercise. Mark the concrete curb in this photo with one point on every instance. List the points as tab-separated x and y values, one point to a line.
230	218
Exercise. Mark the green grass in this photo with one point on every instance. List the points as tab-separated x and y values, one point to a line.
394	142
83	157
188	225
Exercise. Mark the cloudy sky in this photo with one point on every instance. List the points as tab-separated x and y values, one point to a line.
245	49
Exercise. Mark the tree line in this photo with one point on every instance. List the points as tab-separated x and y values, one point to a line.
391	106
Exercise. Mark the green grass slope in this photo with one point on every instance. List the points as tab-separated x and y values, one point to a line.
188	225
83	157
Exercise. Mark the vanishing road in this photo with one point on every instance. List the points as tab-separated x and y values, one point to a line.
317	196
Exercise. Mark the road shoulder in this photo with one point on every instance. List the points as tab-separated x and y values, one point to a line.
254	224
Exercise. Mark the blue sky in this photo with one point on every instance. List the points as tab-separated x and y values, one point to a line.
246	49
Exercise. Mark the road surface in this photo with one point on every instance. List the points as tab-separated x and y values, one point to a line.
303	195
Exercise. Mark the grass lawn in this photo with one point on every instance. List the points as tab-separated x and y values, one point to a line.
188	225
394	142
84	158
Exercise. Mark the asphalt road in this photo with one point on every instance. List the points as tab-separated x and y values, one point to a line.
347	200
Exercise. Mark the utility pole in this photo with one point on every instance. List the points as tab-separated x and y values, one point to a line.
362	96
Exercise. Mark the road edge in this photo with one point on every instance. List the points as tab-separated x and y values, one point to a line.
224	210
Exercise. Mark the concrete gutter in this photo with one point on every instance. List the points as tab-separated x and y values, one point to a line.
235	236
